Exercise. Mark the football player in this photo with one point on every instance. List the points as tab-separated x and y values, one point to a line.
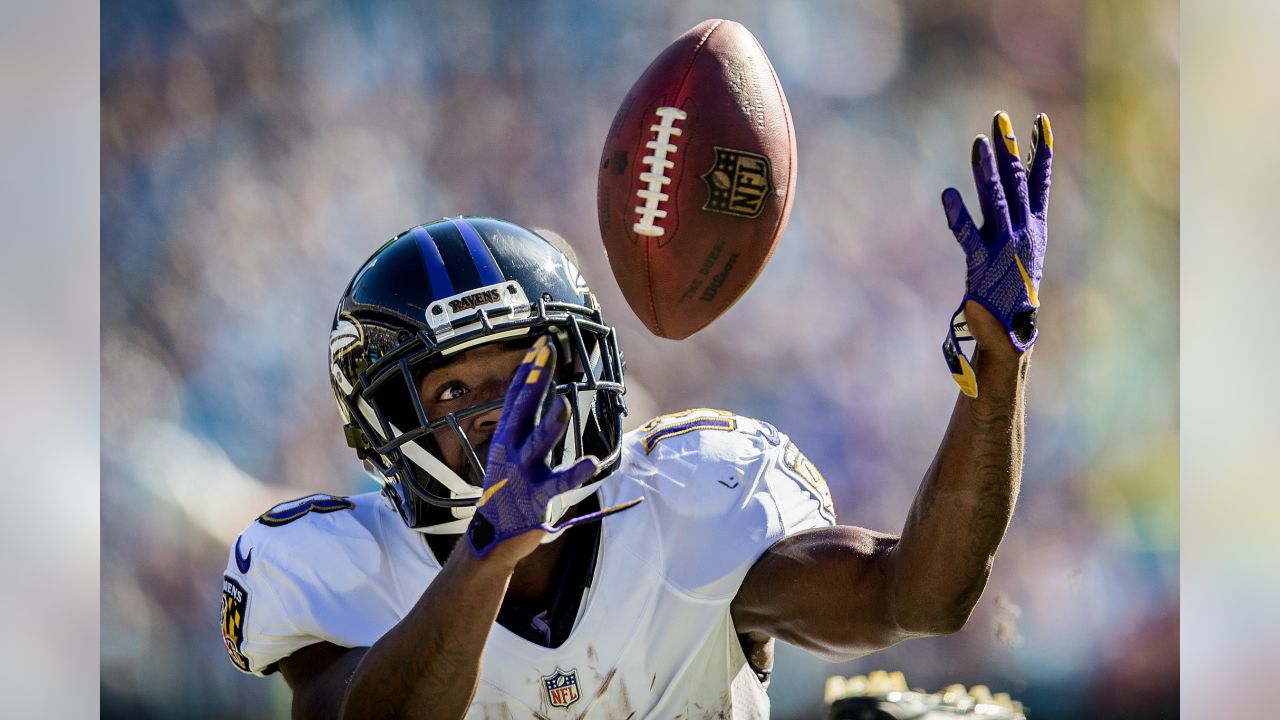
526	558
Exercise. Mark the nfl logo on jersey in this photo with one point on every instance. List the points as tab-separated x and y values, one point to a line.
562	687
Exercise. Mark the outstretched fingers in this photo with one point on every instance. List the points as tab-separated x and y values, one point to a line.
960	222
1041	164
1013	176
986	177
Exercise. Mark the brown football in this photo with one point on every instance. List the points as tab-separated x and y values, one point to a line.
696	178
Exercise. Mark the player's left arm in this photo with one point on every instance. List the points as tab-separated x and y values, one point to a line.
843	592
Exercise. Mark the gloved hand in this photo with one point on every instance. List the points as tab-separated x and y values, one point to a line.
518	483
1006	256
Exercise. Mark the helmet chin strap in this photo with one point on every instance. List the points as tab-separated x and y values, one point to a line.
457	487
561	504
453	527
436	468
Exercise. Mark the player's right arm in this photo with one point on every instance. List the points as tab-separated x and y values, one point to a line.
427	666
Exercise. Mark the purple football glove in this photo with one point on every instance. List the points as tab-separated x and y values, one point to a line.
1006	256
518	482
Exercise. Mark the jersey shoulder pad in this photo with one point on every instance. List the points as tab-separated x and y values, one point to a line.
317	528
689	459
700	472
276	565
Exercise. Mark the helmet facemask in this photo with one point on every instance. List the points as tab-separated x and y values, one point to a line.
400	444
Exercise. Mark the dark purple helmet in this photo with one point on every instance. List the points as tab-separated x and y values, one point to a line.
437	290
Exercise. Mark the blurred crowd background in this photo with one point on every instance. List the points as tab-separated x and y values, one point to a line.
255	152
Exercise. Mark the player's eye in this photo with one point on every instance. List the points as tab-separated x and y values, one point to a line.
452	391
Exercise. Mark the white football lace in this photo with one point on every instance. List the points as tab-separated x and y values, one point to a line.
656	175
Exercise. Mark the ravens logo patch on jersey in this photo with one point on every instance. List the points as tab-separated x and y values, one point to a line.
234	601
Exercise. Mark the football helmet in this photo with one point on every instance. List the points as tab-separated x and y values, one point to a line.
439	289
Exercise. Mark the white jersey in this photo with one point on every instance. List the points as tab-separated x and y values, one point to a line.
653	637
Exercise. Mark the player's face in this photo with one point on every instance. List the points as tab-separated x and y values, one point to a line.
477	376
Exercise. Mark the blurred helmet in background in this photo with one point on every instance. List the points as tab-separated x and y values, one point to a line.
437	290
